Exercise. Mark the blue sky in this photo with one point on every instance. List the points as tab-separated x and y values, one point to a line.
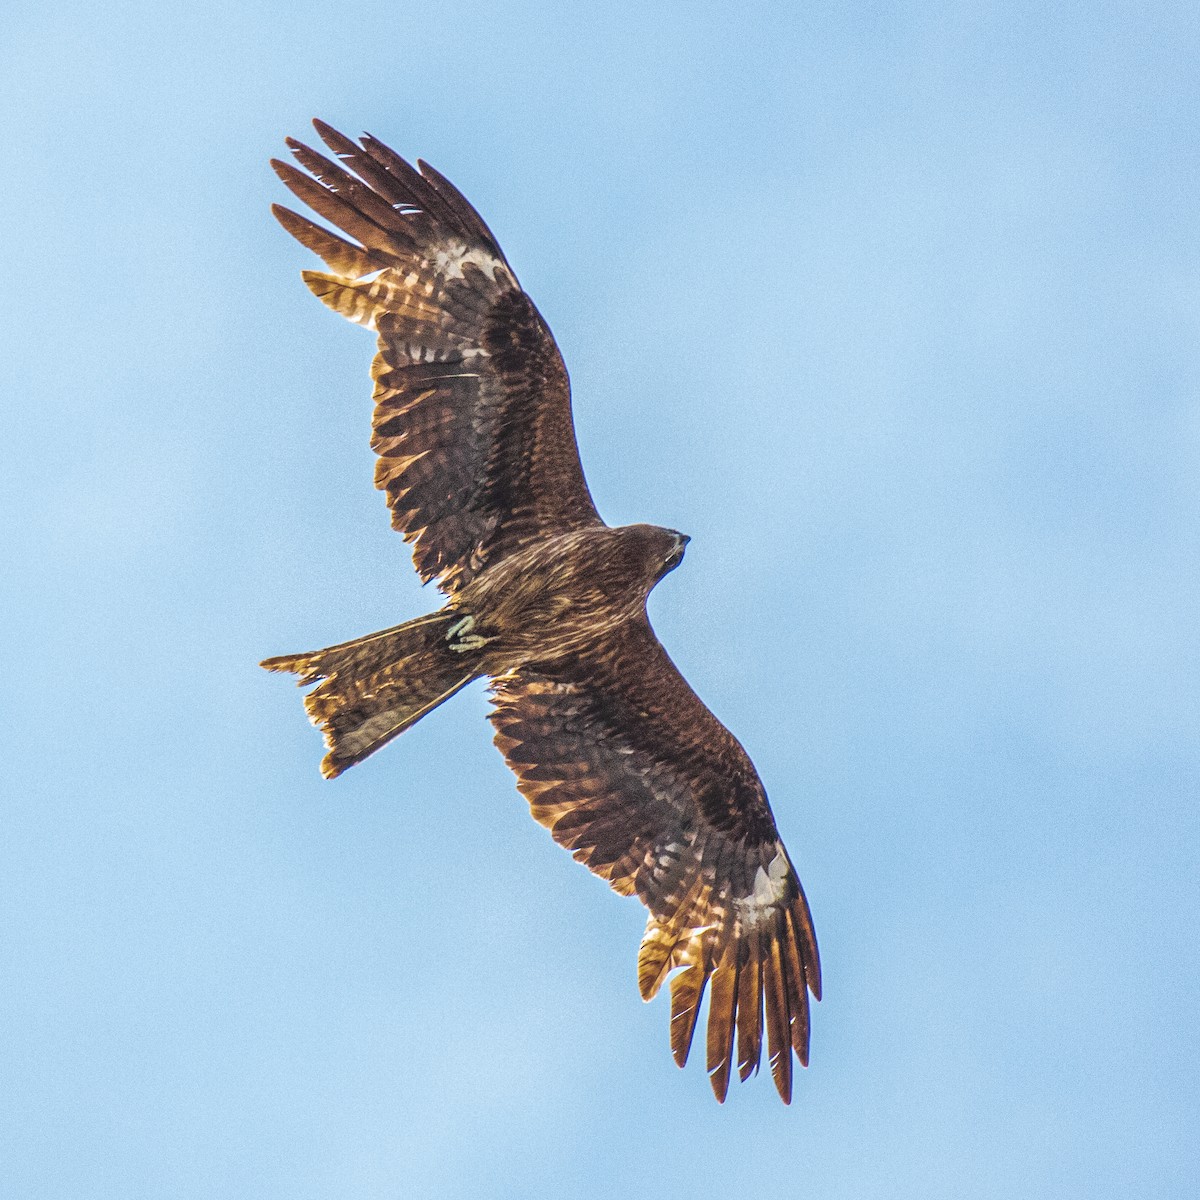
896	310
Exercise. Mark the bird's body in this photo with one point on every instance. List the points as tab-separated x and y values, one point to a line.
573	590
616	755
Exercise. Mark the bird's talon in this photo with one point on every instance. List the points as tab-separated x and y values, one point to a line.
464	626
471	642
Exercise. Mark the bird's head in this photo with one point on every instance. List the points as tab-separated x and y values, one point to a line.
658	550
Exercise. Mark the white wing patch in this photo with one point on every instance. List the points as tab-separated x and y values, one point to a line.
770	888
449	262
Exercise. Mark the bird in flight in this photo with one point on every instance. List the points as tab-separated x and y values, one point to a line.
615	753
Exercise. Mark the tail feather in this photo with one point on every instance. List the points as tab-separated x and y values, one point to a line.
375	687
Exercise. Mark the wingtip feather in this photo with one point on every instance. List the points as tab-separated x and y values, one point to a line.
722	1019
779	1039
749	1015
687	992
806	937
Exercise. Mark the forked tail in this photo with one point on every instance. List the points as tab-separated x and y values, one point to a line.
375	687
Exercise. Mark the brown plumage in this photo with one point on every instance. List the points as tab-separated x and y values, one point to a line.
616	755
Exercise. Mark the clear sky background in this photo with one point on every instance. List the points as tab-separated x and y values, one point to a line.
895	308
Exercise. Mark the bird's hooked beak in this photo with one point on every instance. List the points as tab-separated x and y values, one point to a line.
676	555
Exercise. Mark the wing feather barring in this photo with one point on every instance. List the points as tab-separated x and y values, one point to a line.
615	753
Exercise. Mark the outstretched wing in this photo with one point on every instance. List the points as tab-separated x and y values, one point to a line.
628	769
472	422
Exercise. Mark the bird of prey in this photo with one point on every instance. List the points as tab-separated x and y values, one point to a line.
614	752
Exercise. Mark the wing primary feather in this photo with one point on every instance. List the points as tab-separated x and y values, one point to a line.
339	143
424	193
334	209
654	958
338	180
340	256
779	1038
749	1014
369	170
722	1015
799	989
687	992
802	922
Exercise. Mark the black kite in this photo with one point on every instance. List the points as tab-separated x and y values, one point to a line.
616	755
